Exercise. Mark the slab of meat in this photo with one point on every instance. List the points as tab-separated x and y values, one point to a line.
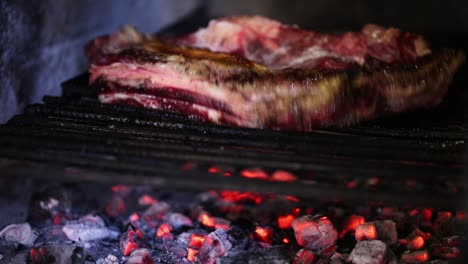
251	71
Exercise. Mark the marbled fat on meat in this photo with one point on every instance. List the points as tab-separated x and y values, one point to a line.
251	71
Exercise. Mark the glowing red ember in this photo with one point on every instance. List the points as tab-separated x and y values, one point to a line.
146	200
255	174
196	240
206	219
415	257
351	223
116	207
415	243
39	256
283	176
130	241
191	254
285	222
164	230
263	234
314	232
305	256
381	230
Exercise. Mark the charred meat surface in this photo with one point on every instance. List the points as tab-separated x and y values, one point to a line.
254	72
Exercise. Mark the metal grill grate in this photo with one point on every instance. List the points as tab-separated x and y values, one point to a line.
413	156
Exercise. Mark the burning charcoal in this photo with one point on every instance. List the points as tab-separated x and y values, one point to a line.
415	257
196	240
57	253
140	256
45	205
446	252
156	211
164	232
19	234
131	240
192	254
305	256
263	234
216	244
215	222
285	222
275	255
39	256
314	232
351	223
178	220
88	228
121	190
146	200
116	207
416	240
378	230
109	259
369	252
283	176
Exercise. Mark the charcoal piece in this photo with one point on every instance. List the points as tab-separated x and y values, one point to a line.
370	252
178	220
379	230
140	256
305	256
109	259
314	232
238	237
274	255
44	205
156	211
19	234
64	254
131	241
420	256
88	229
216	245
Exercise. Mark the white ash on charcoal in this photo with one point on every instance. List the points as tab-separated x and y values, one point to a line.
148	225
22	234
314	232
371	252
378	230
88	228
178	220
109	259
66	254
140	256
50	205
215	245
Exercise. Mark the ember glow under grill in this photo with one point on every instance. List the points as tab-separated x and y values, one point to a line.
100	223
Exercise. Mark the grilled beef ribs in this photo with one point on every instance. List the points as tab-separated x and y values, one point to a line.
254	72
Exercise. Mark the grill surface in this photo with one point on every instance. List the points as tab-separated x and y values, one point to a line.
414	156
417	158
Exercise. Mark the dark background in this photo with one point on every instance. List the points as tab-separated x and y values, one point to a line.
41	41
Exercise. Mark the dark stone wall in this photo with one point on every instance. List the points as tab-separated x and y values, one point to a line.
41	42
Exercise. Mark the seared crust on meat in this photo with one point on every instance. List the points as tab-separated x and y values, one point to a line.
228	88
